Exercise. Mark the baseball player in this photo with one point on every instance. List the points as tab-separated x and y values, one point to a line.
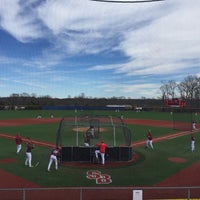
53	158
194	125
192	143
102	149
18	141
29	147
91	131
149	141
86	140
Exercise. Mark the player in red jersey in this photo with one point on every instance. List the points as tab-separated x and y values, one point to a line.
18	141
102	150
55	153
29	147
149	141
86	140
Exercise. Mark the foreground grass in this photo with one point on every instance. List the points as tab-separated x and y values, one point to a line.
10	114
152	167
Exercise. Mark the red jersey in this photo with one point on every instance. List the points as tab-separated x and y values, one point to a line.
55	152
29	147
149	136
102	147
18	139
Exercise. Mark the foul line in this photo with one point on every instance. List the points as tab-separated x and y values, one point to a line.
26	140
166	137
135	144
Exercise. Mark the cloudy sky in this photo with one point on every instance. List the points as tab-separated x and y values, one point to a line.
66	48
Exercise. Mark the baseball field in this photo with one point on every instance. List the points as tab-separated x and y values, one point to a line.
170	164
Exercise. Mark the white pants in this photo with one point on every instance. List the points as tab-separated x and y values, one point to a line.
149	143
194	127
19	147
86	144
102	156
192	146
28	159
52	159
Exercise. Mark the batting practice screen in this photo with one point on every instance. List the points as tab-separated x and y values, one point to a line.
112	130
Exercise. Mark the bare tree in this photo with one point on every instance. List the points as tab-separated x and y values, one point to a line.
189	87
168	89
197	91
163	92
182	87
172	85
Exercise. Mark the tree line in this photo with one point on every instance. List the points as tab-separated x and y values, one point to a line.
188	89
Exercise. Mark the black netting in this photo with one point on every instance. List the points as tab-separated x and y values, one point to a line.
71	131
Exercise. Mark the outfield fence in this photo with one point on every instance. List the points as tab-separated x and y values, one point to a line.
100	193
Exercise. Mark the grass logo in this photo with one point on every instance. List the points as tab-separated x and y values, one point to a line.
99	177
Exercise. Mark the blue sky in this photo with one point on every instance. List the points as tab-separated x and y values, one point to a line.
65	48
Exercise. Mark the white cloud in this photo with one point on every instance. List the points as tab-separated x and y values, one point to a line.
168	44
85	26
167	41
130	90
157	40
17	22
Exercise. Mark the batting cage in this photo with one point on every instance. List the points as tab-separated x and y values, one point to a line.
182	119
79	135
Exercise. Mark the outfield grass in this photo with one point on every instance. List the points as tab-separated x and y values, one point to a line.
10	114
152	166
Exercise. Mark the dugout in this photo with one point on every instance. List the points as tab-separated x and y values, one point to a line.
71	131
